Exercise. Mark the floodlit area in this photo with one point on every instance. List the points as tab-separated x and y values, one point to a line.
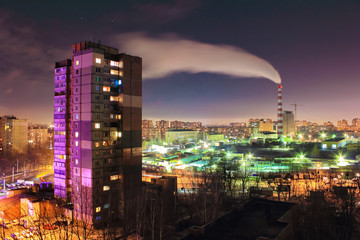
203	155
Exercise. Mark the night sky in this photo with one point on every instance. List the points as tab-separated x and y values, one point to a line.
314	45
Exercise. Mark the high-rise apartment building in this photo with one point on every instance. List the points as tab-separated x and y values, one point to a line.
288	123
39	136
177	124
97	146
162	126
13	135
342	125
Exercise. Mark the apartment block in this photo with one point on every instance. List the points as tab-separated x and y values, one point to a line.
99	125
13	135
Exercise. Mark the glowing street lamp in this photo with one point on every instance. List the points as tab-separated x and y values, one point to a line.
342	161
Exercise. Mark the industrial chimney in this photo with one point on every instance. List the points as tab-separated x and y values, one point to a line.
279	113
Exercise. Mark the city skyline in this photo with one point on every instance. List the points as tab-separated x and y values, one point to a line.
313	46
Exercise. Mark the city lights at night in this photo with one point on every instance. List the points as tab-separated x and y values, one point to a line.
179	119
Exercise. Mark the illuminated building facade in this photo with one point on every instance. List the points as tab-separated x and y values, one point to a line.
13	135
288	123
148	130
176	124
193	125
98	131
38	136
62	187
162	126
176	136
260	125
342	125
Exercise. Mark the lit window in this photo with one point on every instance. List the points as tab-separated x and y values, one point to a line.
118	116
97	88
119	134
76	143
113	63
113	98
324	146
106	188
97	144
76	134
98	60
77	116
98	209
106	89
119	82
98	79
114	177
112	116
107	205
114	72
97	125
76	161
77	63
121	73
121	64
333	146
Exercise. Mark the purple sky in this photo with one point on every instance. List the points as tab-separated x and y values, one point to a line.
314	45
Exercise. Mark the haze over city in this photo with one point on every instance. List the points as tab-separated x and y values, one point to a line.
313	46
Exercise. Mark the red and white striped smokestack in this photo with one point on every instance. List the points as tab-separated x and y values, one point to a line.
279	113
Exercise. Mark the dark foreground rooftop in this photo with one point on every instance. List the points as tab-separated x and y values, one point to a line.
259	218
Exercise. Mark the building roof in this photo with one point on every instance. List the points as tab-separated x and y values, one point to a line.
259	218
181	130
339	139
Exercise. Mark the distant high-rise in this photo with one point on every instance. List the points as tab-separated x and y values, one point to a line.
288	123
162	126
97	146
176	124
13	135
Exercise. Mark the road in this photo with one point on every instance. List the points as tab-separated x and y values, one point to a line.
38	176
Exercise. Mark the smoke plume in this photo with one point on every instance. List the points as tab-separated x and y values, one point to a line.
171	54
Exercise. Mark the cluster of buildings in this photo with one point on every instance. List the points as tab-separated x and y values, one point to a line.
175	131
256	128
18	135
157	131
